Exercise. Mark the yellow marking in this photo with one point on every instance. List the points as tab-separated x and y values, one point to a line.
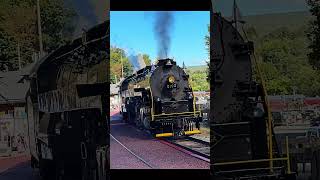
152	116
194	100
164	135
192	132
288	155
269	114
250	161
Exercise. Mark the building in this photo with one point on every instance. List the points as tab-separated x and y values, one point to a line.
114	97
13	118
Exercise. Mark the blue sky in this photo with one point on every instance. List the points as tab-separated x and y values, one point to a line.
133	31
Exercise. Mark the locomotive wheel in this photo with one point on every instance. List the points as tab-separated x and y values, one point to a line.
146	122
129	118
137	120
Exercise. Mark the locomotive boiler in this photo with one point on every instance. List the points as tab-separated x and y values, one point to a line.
159	98
66	106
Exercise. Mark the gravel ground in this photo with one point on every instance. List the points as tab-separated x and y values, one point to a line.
159	155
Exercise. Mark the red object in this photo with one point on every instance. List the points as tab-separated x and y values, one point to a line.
277	105
312	101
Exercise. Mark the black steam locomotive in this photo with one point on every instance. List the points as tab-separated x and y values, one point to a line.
159	98
243	143
66	105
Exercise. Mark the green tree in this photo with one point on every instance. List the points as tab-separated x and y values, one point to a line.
314	34
207	40
18	26
117	58
146	59
251	33
207	45
284	63
198	79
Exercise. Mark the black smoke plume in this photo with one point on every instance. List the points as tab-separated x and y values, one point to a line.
162	29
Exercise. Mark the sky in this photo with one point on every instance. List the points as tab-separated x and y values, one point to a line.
98	13
134	32
254	7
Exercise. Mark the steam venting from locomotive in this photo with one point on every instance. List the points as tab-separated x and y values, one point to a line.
162	27
137	61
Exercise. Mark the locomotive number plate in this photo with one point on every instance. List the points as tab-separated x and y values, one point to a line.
171	86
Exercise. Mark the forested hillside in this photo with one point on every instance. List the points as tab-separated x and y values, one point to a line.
281	46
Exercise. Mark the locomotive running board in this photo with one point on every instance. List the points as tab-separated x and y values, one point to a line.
185	133
192	132
164	135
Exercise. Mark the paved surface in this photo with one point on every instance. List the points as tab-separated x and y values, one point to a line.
10	162
22	171
155	153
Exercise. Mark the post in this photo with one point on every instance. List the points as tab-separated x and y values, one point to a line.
39	29
288	155
235	14
121	67
19	56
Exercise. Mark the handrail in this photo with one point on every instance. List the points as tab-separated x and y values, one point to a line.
250	161
287	159
268	111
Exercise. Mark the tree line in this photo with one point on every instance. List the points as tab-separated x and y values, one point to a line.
19	30
119	58
289	57
120	62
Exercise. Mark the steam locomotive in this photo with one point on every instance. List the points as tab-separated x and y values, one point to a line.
66	108
159	98
241	116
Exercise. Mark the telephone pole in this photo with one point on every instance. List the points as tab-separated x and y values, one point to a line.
235	14
19	56
121	67
39	29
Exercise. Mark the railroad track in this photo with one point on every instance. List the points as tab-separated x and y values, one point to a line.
134	154
195	147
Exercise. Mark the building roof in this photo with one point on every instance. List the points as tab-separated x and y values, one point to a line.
14	86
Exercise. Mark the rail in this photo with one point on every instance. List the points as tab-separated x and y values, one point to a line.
190	149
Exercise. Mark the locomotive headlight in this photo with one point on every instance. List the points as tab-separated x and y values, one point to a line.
171	79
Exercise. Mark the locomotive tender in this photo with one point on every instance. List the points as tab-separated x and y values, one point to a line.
159	98
66	105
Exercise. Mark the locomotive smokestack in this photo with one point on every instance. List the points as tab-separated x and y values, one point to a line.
162	27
